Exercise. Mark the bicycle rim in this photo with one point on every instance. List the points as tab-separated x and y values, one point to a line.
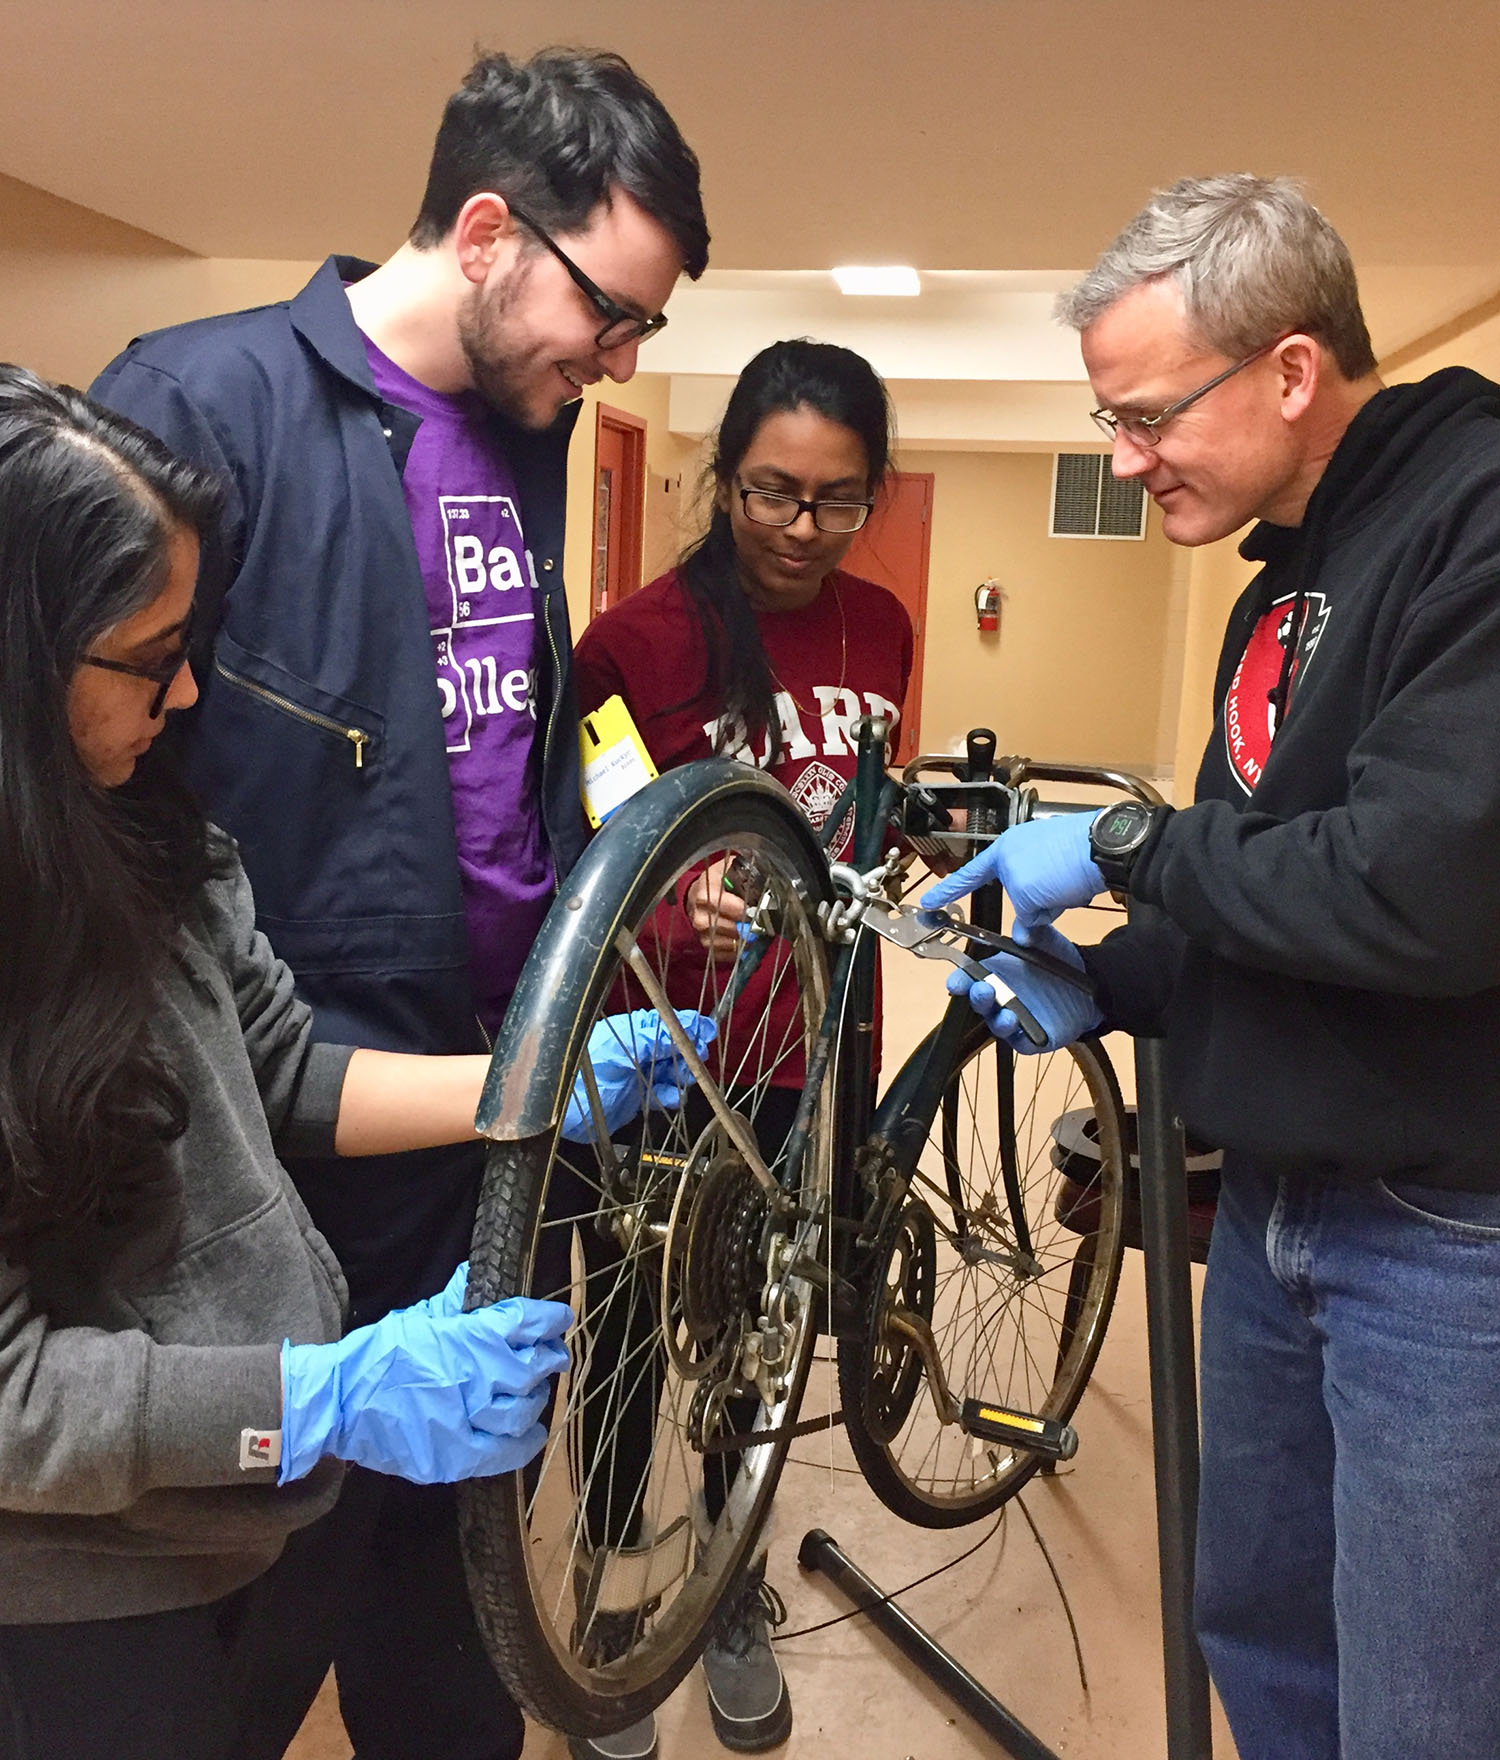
1017	1313
596	1573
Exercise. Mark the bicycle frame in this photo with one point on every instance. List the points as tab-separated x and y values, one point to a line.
879	1145
706	1246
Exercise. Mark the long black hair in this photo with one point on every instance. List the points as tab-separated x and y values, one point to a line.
845	388
93	881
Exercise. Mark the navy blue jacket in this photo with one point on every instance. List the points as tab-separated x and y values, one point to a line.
318	741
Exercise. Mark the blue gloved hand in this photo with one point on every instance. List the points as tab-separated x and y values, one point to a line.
1044	865
449	1299
425	1394
633	1057
1062	1010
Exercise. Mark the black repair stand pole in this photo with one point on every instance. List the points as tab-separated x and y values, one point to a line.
1174	1397
820	1552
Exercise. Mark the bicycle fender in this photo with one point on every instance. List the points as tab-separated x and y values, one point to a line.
531	1067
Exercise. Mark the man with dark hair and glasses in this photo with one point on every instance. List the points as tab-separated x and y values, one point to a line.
387	722
1317	938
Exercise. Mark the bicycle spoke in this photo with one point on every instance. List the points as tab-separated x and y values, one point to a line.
620	1550
992	1183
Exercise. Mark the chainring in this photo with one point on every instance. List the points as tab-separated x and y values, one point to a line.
904	1272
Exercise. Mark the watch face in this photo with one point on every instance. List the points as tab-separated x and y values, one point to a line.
1117	828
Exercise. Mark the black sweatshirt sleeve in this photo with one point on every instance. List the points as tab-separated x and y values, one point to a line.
1397	889
1134	970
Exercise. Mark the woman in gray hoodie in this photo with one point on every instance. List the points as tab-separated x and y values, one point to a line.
175	1398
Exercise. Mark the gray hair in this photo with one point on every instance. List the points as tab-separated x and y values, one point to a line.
1253	260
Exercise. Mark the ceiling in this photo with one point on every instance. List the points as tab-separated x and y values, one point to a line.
987	135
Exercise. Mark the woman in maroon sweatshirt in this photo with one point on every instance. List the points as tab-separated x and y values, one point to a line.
757	645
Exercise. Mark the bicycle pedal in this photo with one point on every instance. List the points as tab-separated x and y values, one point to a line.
1043	1436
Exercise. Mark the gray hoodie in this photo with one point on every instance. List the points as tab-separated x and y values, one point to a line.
129	1371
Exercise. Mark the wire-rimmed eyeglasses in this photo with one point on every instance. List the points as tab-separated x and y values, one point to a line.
1146	430
620	326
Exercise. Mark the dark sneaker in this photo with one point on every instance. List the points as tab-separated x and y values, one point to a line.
747	1696
636	1743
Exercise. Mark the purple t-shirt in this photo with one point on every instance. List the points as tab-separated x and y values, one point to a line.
483	610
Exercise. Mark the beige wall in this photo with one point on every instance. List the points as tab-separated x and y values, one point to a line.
671	467
1077	672
1477	347
76	286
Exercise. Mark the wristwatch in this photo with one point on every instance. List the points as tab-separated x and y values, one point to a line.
1117	837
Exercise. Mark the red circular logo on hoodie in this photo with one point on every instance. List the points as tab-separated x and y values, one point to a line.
1250	720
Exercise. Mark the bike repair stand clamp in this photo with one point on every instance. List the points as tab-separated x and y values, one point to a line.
1174	1425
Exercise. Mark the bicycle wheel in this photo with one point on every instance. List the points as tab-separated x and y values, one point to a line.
596	1572
1012	1278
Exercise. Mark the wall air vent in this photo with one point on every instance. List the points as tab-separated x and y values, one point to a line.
1089	502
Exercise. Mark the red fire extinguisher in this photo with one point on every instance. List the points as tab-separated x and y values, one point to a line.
987	605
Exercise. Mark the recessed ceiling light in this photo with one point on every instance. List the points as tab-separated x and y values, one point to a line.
877	280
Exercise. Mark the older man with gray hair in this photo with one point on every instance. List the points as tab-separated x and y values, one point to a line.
1323	959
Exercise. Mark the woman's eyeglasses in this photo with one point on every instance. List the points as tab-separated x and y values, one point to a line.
767	508
161	675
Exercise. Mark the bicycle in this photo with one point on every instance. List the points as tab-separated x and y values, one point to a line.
705	1249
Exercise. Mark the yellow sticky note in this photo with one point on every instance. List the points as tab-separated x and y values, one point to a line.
613	761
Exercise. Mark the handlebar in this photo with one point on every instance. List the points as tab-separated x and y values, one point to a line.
1018	773
993	802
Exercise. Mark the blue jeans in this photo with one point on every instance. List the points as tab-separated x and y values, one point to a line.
1348	1581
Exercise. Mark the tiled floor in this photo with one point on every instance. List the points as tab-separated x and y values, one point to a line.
1000	1611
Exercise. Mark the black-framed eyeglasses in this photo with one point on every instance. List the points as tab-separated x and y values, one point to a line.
767	507
161	675
620	326
1146	430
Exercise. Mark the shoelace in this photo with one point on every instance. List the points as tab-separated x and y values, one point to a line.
771	1605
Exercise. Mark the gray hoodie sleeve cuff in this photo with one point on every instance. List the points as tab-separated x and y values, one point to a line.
218	1395
310	1121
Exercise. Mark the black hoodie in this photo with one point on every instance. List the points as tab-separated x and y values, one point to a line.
1327	965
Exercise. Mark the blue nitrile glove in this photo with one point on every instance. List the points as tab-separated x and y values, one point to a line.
423	1394
632	1055
449	1299
1062	1010
1044	865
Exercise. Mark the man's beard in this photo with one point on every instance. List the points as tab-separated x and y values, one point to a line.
499	377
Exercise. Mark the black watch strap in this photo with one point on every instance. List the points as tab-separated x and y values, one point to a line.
1117	837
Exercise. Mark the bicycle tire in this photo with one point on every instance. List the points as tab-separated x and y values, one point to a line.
1025	1337
550	1615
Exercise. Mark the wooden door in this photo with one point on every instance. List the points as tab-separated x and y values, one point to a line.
891	548
619	507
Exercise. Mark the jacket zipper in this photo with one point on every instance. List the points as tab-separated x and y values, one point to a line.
356	736
553	707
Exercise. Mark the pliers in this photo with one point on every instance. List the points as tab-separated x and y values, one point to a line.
941	935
